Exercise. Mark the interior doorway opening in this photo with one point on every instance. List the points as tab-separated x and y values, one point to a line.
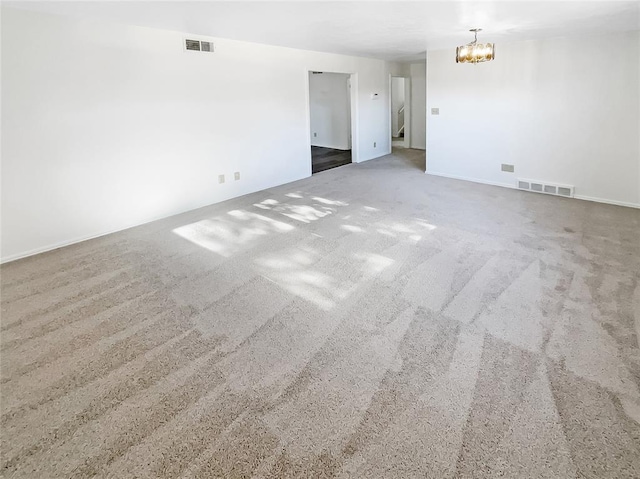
330	113
400	91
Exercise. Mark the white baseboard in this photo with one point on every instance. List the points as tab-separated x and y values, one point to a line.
513	187
609	202
473	180
62	244
379	155
332	147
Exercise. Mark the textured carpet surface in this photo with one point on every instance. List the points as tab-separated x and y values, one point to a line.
371	321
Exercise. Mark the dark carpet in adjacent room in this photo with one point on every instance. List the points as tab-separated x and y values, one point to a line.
326	158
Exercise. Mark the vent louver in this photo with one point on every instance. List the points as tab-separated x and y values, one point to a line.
198	46
192	45
543	187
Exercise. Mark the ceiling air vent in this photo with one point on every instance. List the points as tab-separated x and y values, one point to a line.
192	45
198	46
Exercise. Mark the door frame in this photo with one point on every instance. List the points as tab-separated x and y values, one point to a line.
407	110
354	112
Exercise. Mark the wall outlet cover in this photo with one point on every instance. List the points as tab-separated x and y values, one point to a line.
220	178
435	111
507	168
236	175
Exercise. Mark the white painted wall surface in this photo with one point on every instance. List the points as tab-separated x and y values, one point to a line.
563	110
107	126
418	75
397	102
400	69
329	100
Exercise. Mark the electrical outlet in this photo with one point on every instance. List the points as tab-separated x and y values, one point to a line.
236	175
435	111
220	178
507	168
374	144
315	134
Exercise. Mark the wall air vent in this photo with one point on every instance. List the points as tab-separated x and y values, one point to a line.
565	191
544	187
198	46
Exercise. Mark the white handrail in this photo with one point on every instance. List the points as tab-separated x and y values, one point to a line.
400	120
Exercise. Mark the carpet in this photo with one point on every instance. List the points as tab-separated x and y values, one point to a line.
371	321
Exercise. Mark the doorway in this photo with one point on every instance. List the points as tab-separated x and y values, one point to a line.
400	92
330	115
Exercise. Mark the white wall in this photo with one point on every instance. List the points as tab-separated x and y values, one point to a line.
418	74
397	102
329	99
562	110
106	126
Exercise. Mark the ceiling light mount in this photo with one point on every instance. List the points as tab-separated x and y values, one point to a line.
475	52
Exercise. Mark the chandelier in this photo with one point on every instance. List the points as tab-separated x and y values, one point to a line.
475	52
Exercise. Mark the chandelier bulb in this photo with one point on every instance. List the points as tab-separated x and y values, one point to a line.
474	52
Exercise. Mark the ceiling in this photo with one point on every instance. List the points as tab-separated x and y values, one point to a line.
392	30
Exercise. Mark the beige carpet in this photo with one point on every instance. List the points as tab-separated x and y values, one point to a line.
370	321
